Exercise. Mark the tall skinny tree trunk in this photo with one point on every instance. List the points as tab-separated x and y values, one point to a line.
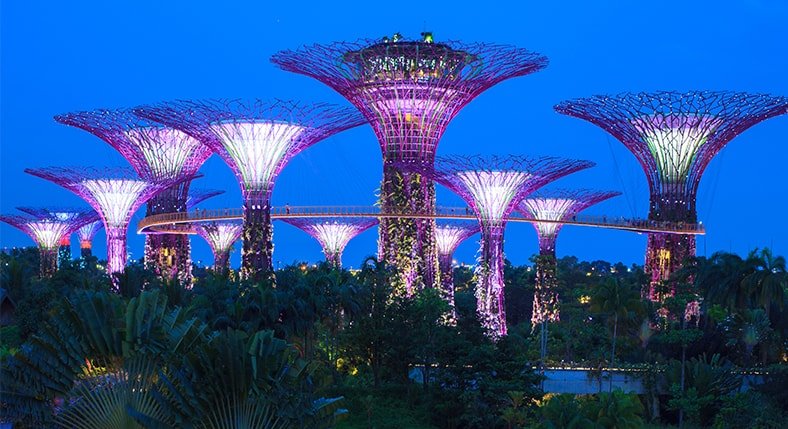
613	355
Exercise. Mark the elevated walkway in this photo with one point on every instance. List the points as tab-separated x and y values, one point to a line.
181	223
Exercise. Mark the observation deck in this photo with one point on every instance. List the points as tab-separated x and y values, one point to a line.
181	223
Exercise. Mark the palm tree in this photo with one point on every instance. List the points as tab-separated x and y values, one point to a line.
96	360
720	279
768	279
618	300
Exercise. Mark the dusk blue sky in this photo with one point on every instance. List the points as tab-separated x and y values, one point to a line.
64	56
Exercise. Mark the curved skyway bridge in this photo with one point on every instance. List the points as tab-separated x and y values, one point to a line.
175	223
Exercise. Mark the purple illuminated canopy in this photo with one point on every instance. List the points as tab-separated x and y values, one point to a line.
449	235
196	196
410	90
220	236
115	193
153	150
675	135
333	234
558	205
255	138
493	186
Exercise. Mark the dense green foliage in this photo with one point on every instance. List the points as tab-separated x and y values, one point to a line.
323	344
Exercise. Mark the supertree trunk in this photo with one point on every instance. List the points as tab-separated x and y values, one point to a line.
169	255
116	251
63	254
86	250
334	259
258	247
545	307
47	262
406	243
489	288
666	253
447	283
221	262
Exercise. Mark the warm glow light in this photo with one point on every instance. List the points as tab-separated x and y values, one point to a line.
493	191
257	148
116	198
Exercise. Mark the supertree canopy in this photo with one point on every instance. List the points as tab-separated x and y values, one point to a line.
332	234
409	91
196	196
555	206
220	236
76	218
156	152
674	136
256	139
47	230
86	234
449	235
493	186
115	193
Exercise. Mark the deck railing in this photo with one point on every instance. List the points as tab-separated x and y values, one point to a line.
161	222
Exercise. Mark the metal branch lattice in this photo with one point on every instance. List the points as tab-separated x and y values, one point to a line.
557	205
493	186
115	193
675	135
221	236
410	90
196	196
154	151
333	234
255	138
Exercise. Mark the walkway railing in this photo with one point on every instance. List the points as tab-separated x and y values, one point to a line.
174	222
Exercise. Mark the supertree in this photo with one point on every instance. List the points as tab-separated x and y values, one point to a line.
220	236
333	234
674	136
86	234
196	196
256	139
492	187
47	231
554	207
77	218
449	235
157	153
115	193
409	91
